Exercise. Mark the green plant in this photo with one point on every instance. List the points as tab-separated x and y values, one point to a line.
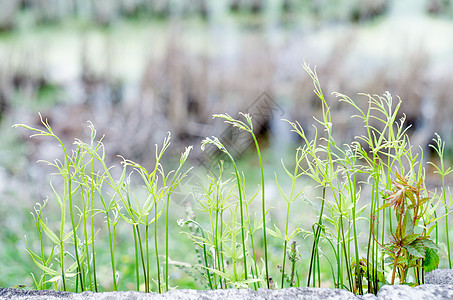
289	199
248	127
373	156
215	141
40	258
407	248
373	225
67	169
156	192
85	175
439	147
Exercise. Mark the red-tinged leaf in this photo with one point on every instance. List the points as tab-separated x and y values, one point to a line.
400	178
409	194
409	239
429	244
416	249
423	201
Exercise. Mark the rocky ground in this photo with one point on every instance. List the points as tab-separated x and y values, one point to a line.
439	286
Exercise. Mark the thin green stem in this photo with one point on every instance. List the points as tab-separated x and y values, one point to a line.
358	277
252	243
167	275
284	262
93	229
85	240
238	182
159	287
71	212
145	274
447	235
290	199
314	260
137	271
112	250
263	209
147	250
62	251
216	229
348	271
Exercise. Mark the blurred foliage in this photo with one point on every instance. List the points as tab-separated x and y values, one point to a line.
105	12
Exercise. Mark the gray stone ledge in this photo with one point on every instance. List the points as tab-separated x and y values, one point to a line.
397	292
439	276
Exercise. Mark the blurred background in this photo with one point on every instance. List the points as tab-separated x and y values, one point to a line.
140	68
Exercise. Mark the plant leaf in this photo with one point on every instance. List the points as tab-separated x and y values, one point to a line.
431	260
416	249
427	243
276	233
409	239
53	237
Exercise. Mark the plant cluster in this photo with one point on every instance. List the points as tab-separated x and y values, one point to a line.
376	221
90	192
